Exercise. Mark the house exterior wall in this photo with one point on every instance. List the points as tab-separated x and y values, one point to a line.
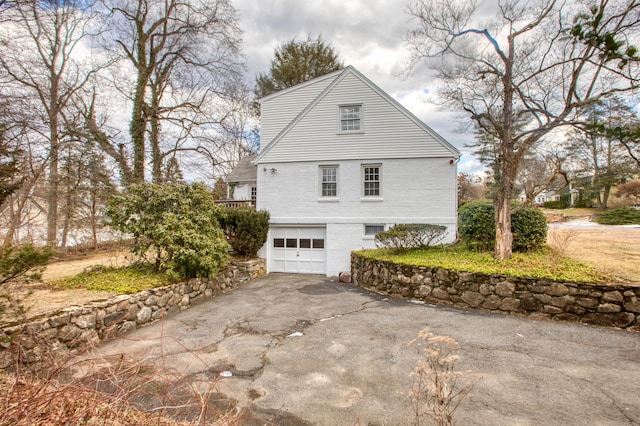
300	133
388	131
414	190
242	191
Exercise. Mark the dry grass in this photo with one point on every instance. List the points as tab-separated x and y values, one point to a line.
612	251
122	390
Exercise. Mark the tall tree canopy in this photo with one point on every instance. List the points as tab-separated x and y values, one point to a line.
185	55
541	62
295	62
39	55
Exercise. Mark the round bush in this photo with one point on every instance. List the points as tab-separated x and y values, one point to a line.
246	229
529	227
476	227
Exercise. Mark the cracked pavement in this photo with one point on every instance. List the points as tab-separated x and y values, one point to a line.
305	349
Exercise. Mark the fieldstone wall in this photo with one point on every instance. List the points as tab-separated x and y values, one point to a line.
77	327
615	305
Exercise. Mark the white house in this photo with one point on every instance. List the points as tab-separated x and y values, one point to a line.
341	160
242	180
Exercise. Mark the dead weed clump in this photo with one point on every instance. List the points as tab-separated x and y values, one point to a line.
438	389
118	390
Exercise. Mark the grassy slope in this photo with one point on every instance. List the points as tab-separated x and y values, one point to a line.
547	264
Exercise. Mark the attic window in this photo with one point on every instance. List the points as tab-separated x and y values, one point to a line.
350	118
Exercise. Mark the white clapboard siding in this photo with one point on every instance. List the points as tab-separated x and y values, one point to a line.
389	130
279	109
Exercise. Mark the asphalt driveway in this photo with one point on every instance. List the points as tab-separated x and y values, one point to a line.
303	349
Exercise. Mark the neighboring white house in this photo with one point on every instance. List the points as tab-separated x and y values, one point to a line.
341	160
241	182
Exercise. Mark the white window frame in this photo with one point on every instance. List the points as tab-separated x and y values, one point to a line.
321	182
363	176
360	118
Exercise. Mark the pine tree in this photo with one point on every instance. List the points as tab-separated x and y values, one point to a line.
295	62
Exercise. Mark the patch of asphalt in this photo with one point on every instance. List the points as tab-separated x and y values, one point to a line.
302	349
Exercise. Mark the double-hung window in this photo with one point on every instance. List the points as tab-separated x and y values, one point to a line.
351	118
371	180
328	181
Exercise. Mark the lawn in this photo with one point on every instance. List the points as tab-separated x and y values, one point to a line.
611	250
546	264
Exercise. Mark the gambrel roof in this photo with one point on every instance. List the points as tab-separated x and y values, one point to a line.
390	130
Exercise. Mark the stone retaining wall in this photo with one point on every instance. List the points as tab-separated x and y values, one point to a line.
76	327
616	305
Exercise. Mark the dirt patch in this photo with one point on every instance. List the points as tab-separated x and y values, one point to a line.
38	298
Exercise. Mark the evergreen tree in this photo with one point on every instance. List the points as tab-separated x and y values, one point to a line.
295	62
8	168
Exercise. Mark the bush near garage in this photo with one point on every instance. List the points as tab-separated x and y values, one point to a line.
246	229
476	227
623	216
403	237
176	223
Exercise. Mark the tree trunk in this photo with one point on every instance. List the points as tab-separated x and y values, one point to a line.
606	191
52	192
154	137
508	166
504	236
94	221
8	237
138	128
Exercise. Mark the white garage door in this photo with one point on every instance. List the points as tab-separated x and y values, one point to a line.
298	250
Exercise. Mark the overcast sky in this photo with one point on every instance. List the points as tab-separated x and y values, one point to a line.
368	34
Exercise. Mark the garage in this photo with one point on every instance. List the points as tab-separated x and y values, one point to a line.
298	250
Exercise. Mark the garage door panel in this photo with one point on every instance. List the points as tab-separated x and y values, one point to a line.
298	250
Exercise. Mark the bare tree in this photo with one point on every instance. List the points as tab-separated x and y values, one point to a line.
470	188
540	62
597	152
541	171
39	44
184	55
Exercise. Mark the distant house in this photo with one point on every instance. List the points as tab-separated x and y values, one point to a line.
241	182
341	160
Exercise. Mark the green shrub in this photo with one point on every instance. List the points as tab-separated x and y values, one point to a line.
583	203
476	227
246	229
403	237
558	204
529	227
623	216
19	264
23	262
178	222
